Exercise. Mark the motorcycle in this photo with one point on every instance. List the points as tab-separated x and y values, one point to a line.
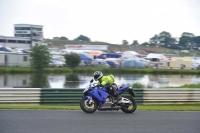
95	97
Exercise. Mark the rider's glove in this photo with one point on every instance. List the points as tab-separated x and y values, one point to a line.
91	80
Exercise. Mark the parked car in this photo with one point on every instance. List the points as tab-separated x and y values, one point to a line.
99	63
132	64
82	63
113	63
56	63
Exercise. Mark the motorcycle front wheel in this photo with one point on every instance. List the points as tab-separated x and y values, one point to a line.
87	107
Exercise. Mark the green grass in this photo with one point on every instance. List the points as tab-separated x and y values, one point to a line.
16	70
187	86
161	107
171	107
21	70
74	42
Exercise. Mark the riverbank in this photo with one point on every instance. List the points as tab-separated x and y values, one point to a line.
161	107
20	70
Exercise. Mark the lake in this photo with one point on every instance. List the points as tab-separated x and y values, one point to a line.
82	80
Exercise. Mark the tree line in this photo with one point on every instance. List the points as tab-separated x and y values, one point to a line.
187	41
79	38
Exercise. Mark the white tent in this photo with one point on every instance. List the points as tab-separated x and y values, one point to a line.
195	63
158	56
130	55
131	52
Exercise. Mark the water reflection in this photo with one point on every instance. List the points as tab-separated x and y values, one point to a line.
56	81
71	81
21	81
38	80
81	81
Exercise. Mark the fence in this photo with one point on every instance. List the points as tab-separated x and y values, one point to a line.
73	96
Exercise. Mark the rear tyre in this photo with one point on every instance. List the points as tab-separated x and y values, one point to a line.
130	108
86	107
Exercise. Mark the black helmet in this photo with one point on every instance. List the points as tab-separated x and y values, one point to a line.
98	75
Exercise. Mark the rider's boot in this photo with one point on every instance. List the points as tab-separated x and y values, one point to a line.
117	99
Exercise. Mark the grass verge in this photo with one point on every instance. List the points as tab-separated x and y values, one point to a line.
15	70
162	107
187	86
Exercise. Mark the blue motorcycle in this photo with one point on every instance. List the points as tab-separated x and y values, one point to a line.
99	98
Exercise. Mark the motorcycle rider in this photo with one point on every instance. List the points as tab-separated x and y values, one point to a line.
108	82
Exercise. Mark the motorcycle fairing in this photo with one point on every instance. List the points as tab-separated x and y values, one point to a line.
100	96
122	89
89	97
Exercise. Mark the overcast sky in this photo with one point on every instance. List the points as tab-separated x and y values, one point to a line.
103	20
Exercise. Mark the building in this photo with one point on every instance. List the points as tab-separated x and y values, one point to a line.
181	63
25	36
14	59
15	42
33	32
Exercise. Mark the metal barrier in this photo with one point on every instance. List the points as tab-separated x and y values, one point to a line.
73	96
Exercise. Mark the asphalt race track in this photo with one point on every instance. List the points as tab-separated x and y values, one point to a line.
62	121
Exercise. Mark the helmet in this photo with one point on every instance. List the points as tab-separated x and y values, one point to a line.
98	75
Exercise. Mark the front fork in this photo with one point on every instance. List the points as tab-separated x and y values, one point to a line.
90	100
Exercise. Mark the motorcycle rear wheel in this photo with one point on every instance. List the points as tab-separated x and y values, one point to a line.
128	109
86	107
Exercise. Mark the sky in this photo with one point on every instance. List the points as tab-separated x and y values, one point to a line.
103	20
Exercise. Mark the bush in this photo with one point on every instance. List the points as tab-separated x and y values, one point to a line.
72	59
137	85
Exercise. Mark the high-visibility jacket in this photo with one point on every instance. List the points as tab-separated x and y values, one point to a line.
107	80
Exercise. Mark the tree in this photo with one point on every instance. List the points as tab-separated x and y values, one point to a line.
135	42
55	38
72	59
197	41
165	34
187	34
63	38
165	38
154	40
186	39
82	38
40	57
145	44
124	42
60	38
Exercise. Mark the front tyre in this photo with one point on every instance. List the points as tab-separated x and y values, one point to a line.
130	108
87	107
